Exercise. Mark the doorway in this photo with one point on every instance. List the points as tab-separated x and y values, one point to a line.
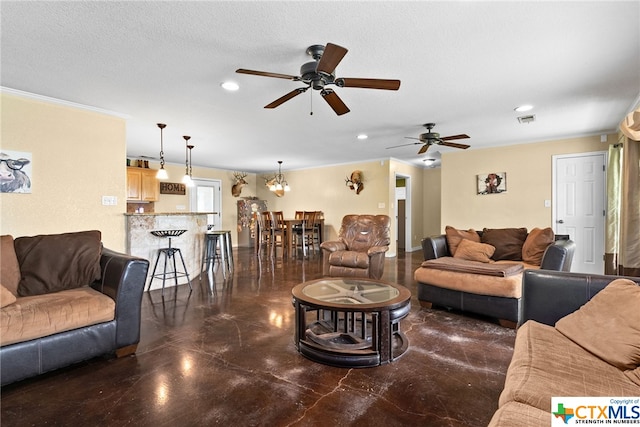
205	196
403	212
579	200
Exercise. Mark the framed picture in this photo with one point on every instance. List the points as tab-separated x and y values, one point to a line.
492	183
15	171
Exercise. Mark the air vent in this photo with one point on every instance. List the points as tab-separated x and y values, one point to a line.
527	119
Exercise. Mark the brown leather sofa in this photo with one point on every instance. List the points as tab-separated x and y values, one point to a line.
480	292
45	342
360	248
548	361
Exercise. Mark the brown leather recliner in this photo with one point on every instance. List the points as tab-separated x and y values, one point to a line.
359	252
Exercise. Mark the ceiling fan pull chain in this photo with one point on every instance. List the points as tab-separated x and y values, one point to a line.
311	103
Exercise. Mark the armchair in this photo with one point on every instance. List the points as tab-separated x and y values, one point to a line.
359	250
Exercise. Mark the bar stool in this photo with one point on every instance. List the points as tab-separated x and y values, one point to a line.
221	239
169	255
226	252
210	252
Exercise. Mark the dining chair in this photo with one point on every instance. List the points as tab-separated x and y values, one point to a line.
278	231
304	234
263	234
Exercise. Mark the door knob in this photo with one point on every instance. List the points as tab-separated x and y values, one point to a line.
560	221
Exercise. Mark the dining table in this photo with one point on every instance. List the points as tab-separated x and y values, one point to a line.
290	223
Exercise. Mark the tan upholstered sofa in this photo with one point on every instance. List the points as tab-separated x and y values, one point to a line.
64	298
360	248
579	337
481	271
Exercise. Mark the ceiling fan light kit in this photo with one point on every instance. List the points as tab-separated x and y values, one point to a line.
320	73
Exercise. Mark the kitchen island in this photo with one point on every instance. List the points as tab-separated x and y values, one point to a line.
141	243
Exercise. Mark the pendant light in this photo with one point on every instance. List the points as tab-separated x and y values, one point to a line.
186	179
162	172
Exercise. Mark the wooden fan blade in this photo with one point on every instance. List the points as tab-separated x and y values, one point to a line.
331	57
424	149
267	74
369	83
454	145
286	97
334	101
452	137
404	145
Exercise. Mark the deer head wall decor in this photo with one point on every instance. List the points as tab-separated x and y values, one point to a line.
239	183
354	182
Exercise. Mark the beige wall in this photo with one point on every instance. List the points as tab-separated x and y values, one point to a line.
431	202
78	157
324	189
529	183
314	189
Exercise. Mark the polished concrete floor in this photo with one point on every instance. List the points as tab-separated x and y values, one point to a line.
224	355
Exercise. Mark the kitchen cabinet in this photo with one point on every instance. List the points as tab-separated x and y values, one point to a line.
142	184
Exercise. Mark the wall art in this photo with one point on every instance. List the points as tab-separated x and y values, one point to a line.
492	183
15	172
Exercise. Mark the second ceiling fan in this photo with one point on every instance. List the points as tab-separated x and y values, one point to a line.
429	138
320	73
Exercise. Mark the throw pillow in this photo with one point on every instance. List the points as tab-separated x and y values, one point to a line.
9	267
474	251
54	262
608	325
536	243
507	241
454	236
6	297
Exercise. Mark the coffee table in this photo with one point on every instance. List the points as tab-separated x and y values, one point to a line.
350	322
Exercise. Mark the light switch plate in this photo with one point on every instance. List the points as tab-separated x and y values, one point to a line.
109	200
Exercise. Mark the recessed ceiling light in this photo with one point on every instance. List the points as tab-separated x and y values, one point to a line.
523	108
429	161
363	136
231	86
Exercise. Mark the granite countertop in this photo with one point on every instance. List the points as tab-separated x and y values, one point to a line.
169	213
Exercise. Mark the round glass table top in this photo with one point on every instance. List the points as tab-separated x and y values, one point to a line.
350	291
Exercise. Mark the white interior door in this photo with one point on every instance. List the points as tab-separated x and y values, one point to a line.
205	196
580	200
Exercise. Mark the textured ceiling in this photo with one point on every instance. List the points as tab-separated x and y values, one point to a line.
463	65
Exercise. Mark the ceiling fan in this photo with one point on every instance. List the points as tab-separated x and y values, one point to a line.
320	73
429	138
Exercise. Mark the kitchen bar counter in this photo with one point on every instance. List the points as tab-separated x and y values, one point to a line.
141	243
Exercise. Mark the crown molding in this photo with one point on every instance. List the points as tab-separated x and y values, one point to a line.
62	102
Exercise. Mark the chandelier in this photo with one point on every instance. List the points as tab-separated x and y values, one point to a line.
279	183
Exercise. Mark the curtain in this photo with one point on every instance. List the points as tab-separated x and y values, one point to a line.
622	255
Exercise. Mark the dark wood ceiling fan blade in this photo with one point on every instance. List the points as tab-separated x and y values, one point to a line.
267	74
334	101
331	57
384	84
454	145
452	137
286	97
424	149
405	145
